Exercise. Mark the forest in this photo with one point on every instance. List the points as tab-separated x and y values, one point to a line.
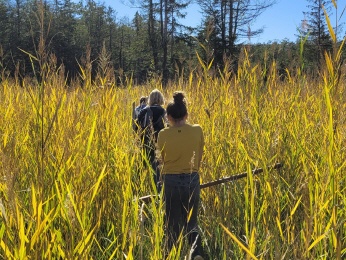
152	43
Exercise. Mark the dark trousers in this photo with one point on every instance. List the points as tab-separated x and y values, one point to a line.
150	155
182	194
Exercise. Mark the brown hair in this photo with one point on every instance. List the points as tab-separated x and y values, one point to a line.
177	108
143	99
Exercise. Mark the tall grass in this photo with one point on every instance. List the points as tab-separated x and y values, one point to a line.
71	170
84	204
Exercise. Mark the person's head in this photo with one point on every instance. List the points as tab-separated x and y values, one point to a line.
143	100
177	108
156	98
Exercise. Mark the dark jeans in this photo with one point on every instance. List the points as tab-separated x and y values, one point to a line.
182	194
149	150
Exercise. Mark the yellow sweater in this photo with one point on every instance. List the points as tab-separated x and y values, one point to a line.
181	148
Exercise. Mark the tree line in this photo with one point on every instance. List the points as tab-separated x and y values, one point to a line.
88	37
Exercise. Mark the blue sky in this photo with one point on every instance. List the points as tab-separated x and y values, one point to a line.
279	22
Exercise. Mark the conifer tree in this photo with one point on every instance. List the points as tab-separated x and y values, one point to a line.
232	22
316	31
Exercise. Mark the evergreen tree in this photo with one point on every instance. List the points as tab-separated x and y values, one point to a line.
4	24
232	21
140	53
95	16
315	30
63	34
165	33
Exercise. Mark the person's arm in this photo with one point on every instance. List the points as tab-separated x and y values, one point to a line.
134	117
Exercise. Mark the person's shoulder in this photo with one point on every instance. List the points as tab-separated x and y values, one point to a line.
138	109
143	110
165	129
158	110
196	126
163	132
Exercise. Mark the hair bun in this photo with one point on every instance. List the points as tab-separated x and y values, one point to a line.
179	97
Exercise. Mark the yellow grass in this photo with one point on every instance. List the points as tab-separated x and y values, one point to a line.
71	169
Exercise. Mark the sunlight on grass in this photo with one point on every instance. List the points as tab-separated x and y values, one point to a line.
71	168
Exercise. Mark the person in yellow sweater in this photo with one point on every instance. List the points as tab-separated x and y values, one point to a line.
181	146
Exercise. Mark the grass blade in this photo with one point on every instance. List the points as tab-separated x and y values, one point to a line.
239	243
